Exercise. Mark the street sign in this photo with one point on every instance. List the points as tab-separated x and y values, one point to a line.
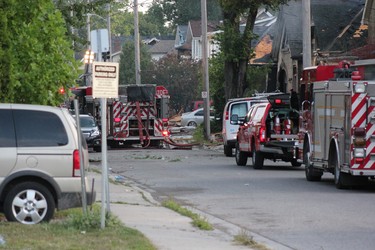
204	94
105	79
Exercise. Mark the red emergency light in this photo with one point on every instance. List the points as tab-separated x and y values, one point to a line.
61	91
165	133
278	101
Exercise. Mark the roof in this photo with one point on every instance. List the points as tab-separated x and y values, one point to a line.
334	23
196	27
163	46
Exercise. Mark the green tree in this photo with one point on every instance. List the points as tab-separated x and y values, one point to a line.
181	77
5	42
180	12
75	14
235	45
127	64
38	54
216	76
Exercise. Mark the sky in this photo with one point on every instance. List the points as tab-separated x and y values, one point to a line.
143	5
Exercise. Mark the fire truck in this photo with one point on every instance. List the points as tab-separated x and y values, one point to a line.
139	116
336	128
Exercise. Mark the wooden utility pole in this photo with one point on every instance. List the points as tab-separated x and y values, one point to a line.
306	30
206	85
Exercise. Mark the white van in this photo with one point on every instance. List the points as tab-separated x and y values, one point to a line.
238	106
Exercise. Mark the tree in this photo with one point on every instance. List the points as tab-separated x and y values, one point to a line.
39	59
235	45
180	76
180	12
75	14
127	65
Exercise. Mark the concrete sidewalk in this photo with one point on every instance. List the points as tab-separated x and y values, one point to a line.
167	229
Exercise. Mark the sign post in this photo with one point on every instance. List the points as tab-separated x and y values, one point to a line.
105	77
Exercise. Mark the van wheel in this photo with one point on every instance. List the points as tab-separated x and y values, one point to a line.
228	151
29	203
257	159
241	157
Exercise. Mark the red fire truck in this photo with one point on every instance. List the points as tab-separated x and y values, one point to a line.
139	116
337	131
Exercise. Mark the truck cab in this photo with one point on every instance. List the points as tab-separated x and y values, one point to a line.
269	131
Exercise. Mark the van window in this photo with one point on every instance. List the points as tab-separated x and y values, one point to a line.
239	109
39	129
7	135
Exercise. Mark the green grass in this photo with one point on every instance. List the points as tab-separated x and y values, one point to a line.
198	221
244	238
70	229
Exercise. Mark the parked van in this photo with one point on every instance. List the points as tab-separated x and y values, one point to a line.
239	107
40	162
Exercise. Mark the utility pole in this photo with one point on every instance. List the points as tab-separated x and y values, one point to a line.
306	30
109	32
206	87
136	45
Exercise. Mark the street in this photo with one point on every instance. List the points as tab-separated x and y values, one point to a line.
276	202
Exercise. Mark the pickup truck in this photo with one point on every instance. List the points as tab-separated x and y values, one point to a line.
269	131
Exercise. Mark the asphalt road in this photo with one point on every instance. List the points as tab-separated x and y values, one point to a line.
276	202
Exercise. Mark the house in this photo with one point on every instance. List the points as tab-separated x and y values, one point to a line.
160	48
333	28
188	40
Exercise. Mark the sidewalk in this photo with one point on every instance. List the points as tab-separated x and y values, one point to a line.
167	229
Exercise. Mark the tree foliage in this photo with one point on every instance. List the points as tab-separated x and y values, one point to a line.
127	65
75	14
180	12
235	45
36	56
180	76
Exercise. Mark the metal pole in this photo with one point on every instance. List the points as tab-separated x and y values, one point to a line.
105	104
82	170
88	29
136	45
109	32
104	161
206	94
88	73
306	30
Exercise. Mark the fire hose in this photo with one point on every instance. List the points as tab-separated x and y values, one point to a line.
168	140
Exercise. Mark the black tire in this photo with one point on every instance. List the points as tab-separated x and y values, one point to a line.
228	151
241	157
311	173
257	159
192	124
29	203
295	163
97	148
342	180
